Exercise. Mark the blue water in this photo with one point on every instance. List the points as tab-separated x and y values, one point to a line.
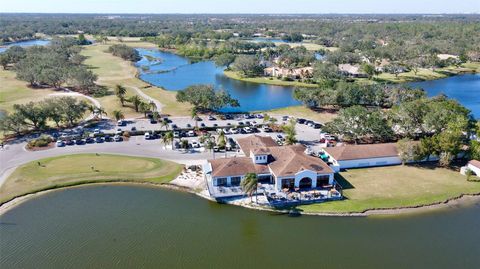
38	42
464	88
252	96
175	73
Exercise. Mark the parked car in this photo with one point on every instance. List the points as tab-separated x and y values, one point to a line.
174	126
121	123
215	125
176	134
79	141
119	132
241	123
133	129
259	116
191	133
216	149
202	125
97	132
228	117
266	129
189	125
89	140
226	131
108	138
301	121
146	136
153	121
210	117
99	139
317	126
60	143
195	144
284	118
248	130
69	142
118	138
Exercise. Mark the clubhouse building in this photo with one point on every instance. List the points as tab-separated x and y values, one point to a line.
280	168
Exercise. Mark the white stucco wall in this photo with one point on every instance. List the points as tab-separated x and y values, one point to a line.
476	170
306	173
369	162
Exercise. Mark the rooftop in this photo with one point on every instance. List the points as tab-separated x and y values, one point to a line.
354	152
254	142
236	166
475	163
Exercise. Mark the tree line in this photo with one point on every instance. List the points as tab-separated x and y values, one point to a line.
62	111
55	65
125	52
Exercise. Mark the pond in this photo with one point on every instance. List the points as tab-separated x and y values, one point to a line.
122	226
28	43
174	72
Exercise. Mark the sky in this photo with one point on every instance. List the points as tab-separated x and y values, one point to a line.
241	6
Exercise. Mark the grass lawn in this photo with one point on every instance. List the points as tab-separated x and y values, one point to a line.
303	112
76	169
428	74
14	91
396	186
267	80
112	70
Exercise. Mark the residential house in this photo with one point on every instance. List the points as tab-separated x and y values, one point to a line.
293	73
351	71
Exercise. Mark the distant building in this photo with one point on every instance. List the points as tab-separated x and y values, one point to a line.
293	73
351	71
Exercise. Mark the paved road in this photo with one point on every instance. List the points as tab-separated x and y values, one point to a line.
15	154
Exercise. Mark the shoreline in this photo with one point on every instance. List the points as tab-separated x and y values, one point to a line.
461	200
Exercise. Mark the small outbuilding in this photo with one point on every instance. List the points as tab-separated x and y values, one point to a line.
358	156
474	166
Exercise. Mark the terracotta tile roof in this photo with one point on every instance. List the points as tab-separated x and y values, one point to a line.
255	142
289	160
475	163
260	151
354	152
236	166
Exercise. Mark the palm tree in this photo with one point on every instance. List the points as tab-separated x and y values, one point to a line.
164	123
144	108
152	106
92	109
101	111
168	138
156	115
136	101
194	115
290	133
221	140
120	92
249	185
118	115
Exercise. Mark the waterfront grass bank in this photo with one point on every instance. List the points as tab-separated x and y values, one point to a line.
395	187
70	170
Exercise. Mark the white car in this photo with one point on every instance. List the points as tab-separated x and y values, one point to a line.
176	134
60	143
117	138
191	133
146	135
248	130
195	144
227	131
219	130
97	132
266	129
234	131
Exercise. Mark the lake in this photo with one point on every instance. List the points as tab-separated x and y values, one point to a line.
175	73
464	88
122	226
28	43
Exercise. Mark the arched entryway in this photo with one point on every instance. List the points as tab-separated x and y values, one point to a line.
305	183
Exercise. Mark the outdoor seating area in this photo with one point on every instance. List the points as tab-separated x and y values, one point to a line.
301	196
